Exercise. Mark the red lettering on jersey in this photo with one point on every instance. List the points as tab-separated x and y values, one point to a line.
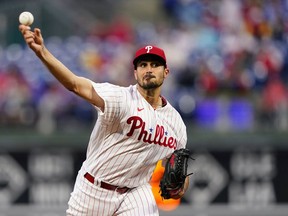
159	138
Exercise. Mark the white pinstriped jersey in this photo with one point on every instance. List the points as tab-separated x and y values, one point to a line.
129	137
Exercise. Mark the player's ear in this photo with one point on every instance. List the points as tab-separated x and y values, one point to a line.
135	74
166	72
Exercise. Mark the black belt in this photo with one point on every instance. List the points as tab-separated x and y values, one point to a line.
107	186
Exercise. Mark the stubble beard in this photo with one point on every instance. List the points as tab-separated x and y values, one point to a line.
150	85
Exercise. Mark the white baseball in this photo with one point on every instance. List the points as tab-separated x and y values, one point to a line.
26	18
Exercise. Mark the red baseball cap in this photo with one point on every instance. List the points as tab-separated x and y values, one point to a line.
149	50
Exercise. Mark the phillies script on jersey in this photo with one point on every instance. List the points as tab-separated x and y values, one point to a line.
158	138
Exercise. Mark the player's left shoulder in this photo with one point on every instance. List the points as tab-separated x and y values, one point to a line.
171	110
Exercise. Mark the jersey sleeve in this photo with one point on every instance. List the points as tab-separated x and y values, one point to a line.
113	98
182	138
181	131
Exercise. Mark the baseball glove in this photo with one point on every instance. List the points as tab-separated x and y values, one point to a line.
175	174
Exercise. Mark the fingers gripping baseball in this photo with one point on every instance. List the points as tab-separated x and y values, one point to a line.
33	39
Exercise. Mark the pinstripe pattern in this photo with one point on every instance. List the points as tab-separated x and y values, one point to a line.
90	200
139	202
128	139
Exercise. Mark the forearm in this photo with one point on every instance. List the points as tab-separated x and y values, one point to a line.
79	85
58	69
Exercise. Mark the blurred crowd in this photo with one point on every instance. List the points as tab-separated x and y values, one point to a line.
228	61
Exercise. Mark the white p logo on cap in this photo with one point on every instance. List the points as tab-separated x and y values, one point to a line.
148	48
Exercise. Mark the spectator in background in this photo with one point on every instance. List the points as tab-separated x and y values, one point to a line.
16	102
248	37
120	30
274	104
51	104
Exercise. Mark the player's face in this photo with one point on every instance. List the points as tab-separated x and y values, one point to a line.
150	74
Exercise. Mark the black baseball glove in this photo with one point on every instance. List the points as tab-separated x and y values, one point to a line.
175	174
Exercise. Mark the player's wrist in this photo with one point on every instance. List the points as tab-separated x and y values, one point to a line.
179	195
43	53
